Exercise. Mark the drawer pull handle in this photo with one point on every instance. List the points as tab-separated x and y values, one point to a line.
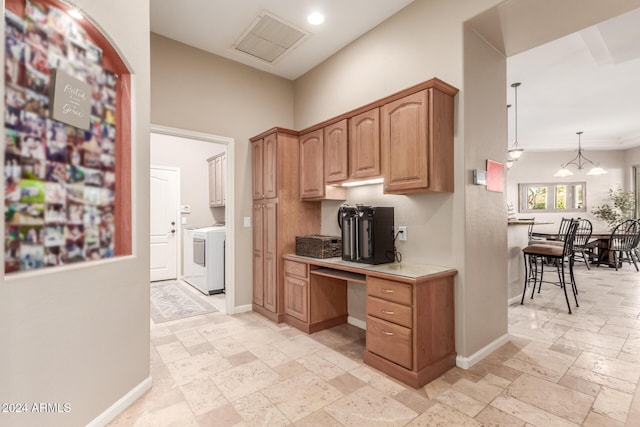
390	313
387	291
390	334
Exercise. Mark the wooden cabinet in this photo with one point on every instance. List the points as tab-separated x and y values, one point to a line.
278	215
265	254
217	177
264	153
364	145
336	157
410	333
389	321
417	142
296	290
312	167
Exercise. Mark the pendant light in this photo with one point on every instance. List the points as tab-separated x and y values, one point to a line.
516	151
580	161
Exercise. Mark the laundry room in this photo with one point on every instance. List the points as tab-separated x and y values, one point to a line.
188	234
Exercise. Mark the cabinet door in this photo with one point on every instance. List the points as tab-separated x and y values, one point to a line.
270	255
258	253
311	165
335	152
405	143
364	144
257	158
212	182
223	180
218	185
270	163
296	294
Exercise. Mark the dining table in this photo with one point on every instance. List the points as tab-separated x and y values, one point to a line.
598	243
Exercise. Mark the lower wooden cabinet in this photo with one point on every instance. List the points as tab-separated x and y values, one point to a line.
391	341
296	298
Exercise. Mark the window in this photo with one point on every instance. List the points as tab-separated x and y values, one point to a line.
553	197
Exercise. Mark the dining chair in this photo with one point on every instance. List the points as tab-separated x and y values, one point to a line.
581	246
560	255
559	240
624	239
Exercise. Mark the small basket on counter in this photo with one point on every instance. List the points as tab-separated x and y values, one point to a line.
319	246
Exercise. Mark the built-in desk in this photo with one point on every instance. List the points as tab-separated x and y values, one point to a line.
410	311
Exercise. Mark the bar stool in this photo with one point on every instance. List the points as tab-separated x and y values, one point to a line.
560	255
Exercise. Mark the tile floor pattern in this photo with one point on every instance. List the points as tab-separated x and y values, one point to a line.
558	370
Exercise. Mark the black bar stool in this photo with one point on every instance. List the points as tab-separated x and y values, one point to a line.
559	255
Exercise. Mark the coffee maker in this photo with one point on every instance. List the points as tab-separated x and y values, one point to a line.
367	234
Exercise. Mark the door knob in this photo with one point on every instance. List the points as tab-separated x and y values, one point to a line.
173	223
173	231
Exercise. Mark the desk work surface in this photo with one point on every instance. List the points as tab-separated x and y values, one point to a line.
402	269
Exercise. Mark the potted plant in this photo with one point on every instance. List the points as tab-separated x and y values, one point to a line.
621	208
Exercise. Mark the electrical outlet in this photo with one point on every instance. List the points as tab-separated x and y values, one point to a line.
402	232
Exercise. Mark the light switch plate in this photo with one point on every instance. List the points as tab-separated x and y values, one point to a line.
247	221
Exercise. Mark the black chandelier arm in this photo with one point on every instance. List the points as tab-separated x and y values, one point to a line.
581	161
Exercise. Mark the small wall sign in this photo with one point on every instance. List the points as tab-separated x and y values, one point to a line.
71	100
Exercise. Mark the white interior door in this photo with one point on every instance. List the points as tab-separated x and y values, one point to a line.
165	199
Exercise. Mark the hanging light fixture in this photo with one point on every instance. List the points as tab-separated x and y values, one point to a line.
516	151
580	161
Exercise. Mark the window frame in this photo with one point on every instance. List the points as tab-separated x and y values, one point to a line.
523	189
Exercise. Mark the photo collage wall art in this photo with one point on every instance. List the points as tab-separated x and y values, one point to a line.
59	179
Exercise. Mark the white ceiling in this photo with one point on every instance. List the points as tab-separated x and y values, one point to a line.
216	25
587	81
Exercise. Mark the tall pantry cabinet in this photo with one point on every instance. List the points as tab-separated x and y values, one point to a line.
278	215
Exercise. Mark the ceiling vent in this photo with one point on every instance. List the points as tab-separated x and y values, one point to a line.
269	37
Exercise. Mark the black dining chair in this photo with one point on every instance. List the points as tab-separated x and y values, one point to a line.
533	256
581	246
624	239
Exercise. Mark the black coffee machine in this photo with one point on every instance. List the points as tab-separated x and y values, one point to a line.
367	234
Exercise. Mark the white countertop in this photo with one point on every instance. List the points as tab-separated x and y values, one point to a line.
403	269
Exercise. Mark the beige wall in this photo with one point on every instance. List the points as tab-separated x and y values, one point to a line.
197	91
80	334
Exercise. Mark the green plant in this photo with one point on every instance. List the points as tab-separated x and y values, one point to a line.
620	209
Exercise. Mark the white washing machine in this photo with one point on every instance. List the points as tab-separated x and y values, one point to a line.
204	250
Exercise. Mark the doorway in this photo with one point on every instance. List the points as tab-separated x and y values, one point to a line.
188	151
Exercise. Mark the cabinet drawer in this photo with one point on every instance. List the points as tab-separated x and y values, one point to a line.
388	290
297	269
396	313
388	340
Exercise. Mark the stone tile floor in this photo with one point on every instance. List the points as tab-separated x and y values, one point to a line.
557	370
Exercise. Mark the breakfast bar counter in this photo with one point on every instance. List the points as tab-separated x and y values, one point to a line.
410	311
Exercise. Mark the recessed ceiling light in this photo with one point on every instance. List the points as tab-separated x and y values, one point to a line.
316	18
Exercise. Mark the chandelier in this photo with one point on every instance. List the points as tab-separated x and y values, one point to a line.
580	161
516	151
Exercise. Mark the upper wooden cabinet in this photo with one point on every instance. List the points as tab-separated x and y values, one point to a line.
312	165
217	177
336	152
417	142
364	145
264	158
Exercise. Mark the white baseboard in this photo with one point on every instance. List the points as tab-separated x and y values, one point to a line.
357	322
242	308
123	403
467	362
